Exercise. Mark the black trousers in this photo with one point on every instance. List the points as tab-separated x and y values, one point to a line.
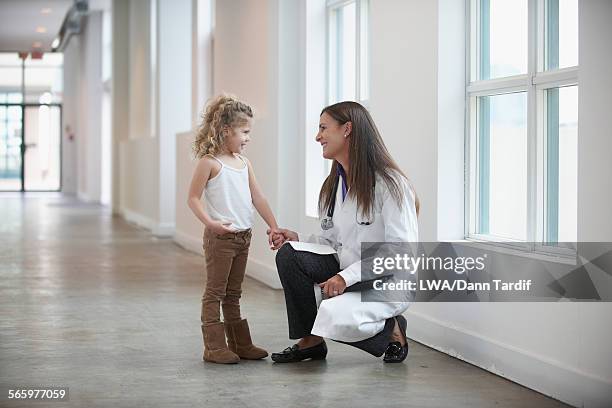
299	271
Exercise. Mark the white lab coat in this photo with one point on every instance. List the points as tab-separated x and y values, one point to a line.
346	317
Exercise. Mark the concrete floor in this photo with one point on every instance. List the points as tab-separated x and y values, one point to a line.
102	307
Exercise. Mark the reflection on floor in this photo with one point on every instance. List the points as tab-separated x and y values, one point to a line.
104	308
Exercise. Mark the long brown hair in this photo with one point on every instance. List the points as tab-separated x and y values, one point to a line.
368	157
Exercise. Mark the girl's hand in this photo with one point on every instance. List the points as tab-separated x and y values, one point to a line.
278	236
334	286
274	235
220	228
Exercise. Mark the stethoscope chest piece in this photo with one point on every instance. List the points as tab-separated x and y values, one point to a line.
327	223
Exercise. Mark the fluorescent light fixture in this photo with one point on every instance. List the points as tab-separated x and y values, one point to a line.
46	10
41	29
37	44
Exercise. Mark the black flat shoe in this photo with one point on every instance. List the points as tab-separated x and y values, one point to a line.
294	354
396	353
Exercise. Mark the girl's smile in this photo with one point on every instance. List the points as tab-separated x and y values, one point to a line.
237	138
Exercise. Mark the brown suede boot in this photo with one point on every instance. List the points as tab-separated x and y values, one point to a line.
239	341
215	348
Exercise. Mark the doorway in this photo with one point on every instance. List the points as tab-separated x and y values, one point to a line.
30	147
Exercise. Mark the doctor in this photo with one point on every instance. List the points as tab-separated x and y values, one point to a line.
365	198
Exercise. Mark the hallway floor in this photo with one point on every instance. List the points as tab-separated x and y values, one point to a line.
95	304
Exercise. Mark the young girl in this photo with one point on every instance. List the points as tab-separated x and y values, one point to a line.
230	193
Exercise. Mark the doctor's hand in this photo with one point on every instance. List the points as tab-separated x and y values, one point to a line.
275	235
334	286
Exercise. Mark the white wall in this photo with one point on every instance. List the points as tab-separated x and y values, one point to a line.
290	70
404	94
201	56
158	72
139	187
119	92
314	98
451	119
189	230
594	121
594	182
89	109
70	116
138	149
251	26
173	98
82	165
140	69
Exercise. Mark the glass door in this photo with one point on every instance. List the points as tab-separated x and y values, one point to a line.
11	157
42	158
30	121
30	147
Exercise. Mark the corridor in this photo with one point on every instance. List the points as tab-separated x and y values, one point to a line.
95	304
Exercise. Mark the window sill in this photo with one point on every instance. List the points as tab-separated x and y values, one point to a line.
559	255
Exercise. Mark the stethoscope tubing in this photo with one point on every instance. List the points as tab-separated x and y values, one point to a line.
327	222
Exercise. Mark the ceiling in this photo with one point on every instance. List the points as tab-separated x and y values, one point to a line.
20	19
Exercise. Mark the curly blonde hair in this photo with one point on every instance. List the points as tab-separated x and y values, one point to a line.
220	111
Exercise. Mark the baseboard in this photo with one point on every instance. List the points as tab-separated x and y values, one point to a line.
164	229
188	242
158	229
263	273
84	197
138	219
548	377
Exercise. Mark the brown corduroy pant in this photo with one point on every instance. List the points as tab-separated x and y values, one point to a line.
226	258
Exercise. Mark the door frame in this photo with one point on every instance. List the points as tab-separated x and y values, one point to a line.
23	147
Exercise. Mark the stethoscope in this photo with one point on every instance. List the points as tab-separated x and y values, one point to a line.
327	222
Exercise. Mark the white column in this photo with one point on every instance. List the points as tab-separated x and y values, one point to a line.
89	165
120	90
174	89
201	56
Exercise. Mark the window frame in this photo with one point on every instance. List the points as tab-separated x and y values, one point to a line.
536	82
331	7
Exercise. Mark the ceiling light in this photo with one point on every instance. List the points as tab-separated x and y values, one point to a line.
45	10
41	29
55	43
37	44
46	98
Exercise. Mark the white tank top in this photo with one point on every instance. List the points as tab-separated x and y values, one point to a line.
228	196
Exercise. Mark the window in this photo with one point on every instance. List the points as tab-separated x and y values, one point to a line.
347	51
343	36
522	116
